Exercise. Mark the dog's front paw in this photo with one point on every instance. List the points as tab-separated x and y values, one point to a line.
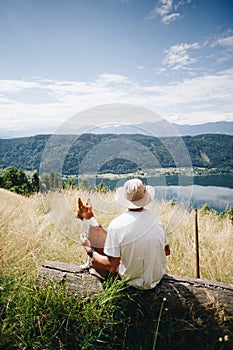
83	238
84	266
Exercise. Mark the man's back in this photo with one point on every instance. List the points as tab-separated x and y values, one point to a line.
138	238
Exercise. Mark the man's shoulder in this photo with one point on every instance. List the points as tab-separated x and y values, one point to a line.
148	213
120	220
150	217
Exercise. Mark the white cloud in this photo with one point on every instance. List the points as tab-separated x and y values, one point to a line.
164	7
226	42
170	18
215	89
107	78
13	86
192	100
179	57
168	10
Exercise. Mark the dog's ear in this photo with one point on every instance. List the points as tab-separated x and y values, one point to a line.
80	203
89	203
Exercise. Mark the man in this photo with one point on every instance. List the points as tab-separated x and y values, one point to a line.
136	245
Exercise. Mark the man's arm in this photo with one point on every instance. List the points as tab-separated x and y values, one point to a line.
106	262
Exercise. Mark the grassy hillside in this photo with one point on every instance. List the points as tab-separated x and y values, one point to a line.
43	227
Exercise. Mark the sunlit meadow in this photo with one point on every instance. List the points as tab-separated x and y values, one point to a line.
43	227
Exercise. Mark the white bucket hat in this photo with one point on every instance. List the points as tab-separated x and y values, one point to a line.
134	194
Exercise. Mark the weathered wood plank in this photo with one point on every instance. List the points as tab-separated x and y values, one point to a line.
79	283
195	293
182	293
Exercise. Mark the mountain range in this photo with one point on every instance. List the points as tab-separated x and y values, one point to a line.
102	153
165	129
162	127
225	128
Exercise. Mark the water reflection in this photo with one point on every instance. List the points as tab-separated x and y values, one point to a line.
218	198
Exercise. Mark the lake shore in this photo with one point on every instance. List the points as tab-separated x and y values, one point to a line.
163	177
194	171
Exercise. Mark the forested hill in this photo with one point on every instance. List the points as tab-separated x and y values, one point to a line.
208	151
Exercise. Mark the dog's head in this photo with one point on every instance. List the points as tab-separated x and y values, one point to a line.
84	211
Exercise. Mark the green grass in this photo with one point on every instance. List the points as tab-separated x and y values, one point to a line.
48	318
119	318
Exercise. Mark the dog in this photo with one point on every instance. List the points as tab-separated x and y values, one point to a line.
92	230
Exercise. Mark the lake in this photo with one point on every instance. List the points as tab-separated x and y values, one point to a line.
192	192
217	198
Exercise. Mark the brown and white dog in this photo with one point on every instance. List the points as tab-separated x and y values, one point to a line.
92	230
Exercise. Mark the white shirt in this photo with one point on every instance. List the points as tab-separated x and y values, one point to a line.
138	238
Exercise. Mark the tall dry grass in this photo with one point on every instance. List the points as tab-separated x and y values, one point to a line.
43	227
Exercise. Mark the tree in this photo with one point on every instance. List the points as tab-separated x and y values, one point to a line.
70	183
84	184
50	181
44	182
35	182
15	180
101	187
55	180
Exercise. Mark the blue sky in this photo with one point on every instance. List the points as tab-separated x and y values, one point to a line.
59	57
